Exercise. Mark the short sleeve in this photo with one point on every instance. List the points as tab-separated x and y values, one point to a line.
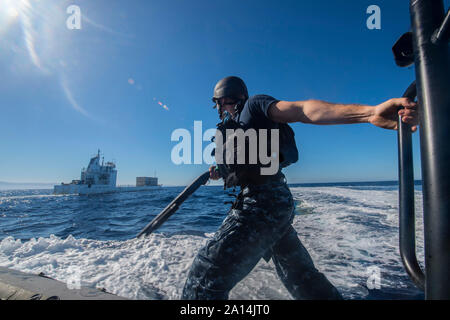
260	104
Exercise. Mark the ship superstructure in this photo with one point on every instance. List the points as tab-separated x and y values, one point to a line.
99	174
101	178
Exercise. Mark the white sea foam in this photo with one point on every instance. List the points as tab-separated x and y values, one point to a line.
351	230
345	230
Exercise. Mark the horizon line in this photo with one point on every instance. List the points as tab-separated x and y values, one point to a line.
219	184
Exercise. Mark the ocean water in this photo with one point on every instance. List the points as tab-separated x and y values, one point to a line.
350	230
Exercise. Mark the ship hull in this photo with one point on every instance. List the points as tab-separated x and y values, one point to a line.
96	189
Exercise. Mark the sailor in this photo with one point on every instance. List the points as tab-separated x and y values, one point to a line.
259	223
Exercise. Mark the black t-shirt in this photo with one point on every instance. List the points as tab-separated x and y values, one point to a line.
255	113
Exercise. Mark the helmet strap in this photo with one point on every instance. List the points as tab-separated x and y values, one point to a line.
237	108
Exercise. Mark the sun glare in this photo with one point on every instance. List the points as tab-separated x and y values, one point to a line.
9	9
13	12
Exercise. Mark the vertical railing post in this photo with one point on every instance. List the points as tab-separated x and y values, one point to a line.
407	214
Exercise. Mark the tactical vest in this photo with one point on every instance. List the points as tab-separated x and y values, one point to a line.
235	174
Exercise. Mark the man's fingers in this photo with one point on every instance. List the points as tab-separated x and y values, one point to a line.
404	102
410	115
213	174
410	105
408	112
408	119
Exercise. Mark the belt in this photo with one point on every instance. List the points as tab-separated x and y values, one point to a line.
262	180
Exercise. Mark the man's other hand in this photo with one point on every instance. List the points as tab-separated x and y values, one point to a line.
213	174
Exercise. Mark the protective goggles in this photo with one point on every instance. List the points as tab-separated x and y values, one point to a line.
219	105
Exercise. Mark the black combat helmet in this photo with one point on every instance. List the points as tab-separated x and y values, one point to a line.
232	87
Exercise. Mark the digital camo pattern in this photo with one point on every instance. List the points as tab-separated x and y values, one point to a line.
257	226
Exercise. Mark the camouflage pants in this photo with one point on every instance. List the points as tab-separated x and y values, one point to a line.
257	226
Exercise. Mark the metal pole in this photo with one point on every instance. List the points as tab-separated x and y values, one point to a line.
407	239
432	67
174	205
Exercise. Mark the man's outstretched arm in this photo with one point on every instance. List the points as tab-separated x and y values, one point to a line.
383	115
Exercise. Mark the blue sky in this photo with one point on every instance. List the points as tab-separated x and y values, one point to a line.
65	93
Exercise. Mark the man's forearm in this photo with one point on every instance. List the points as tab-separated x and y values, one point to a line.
321	112
384	115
